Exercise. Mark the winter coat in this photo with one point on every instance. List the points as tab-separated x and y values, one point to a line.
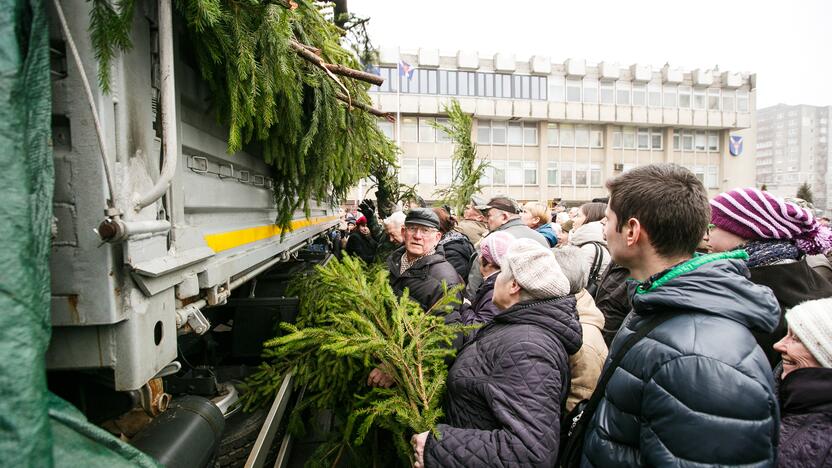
792	282
613	300
516	228
459	252
547	232
482	308
584	235
361	246
585	365
697	390
506	387
821	265
806	428
424	278
473	230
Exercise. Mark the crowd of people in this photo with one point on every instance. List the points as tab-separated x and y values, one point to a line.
655	327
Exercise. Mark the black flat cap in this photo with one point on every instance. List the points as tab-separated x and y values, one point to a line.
422	217
501	203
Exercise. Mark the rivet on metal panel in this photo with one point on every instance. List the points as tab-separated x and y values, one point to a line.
226	171
198	164
259	180
244	177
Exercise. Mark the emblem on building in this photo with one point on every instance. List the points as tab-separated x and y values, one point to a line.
735	145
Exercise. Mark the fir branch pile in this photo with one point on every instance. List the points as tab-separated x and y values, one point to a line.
350	322
468	169
258	57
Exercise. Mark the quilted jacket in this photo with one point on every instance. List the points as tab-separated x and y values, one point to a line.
697	390
459	252
424	278
806	432
506	388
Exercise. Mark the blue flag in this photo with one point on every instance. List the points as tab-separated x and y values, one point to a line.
405	69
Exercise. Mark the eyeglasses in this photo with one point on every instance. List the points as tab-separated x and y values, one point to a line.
421	230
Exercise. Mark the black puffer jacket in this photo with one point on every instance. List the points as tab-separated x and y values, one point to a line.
505	389
612	299
424	278
806	432
361	246
459	251
697	390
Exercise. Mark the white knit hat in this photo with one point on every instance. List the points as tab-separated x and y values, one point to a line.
535	269
812	322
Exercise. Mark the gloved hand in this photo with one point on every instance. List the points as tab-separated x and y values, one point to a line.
367	208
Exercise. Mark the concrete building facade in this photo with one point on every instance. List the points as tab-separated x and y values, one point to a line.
560	129
793	148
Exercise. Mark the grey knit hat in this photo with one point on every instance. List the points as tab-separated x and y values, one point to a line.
535	269
811	321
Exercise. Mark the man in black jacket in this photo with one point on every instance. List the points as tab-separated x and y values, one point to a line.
696	390
361	243
420	267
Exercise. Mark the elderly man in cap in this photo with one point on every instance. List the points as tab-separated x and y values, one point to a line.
420	264
501	214
473	224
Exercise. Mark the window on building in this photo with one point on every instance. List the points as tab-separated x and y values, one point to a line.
595	175
410	171
573	90
552	173
525	87
700	141
556	88
607	93
727	101
656	138
639	95
655	95
515	133
699	99
596	137
670	97
713	141
427	134
590	91
711	178
530	172
462	87
514	176
582	136
581	175
742	101
483	132
566	174
643	138
498	133
684	97
552	134
427	174
622	90
489	85
444	172
687	140
699	172
530	133
410	129
441	136
567	135
386	128
498	172
629	138
428	81
713	99
616	139
410	85
536	88
677	140
453	81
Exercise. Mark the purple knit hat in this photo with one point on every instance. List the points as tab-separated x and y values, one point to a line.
753	214
494	247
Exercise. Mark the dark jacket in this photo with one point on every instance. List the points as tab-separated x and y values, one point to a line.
505	389
482	308
363	247
697	390
424	278
459	251
516	228
613	300
792	283
806	429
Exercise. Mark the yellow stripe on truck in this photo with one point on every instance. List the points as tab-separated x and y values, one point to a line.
222	241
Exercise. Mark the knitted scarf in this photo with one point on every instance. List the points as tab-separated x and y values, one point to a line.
770	251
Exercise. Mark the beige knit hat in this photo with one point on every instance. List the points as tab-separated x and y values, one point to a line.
811	321
535	269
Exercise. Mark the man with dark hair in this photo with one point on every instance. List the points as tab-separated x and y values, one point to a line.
696	389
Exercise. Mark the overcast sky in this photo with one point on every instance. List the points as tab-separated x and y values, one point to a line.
787	43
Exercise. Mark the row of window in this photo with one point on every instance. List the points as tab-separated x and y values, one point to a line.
464	83
496	132
625	93
689	140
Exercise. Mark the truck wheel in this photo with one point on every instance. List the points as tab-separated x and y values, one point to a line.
241	431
